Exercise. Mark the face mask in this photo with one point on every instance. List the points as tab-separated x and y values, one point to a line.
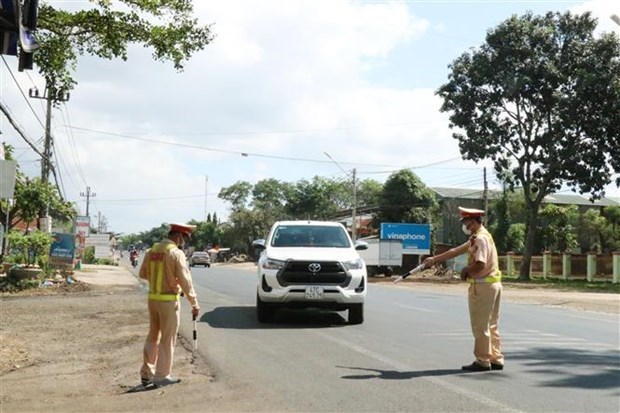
465	230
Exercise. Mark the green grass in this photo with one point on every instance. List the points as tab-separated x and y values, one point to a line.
598	286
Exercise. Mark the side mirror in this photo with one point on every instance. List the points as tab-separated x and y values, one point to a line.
361	245
259	244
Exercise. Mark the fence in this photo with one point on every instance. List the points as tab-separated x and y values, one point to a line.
567	266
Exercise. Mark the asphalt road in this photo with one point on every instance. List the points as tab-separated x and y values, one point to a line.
406	356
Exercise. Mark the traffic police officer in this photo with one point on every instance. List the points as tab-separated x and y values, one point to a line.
165	268
485	289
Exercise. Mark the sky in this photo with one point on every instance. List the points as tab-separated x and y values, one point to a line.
288	89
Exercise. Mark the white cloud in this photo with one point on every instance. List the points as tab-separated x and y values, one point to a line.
289	79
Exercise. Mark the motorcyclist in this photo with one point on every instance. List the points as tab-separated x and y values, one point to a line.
133	257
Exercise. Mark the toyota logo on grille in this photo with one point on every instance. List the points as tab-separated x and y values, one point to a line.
314	267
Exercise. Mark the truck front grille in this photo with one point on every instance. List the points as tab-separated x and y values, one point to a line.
313	273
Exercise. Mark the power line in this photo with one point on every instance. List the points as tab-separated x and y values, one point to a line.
246	154
22	92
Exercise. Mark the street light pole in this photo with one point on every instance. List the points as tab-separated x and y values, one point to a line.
354	208
616	19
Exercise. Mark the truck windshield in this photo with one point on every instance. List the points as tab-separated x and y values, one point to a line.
310	236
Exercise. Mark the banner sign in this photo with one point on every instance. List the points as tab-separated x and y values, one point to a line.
102	244
8	170
81	231
62	250
416	238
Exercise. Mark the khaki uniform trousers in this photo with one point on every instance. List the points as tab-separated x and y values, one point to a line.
483	299
158	351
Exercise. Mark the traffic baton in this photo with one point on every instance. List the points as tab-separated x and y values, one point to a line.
413	271
195	333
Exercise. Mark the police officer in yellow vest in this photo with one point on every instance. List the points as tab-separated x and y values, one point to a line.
485	289
165	269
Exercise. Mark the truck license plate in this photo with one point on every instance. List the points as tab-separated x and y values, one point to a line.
314	293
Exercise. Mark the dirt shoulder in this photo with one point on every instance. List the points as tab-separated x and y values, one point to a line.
78	348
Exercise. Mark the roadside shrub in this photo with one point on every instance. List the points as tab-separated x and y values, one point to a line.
89	255
30	246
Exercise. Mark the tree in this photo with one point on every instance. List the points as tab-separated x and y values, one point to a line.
557	228
165	26
237	194
405	198
270	196
369	193
515	238
205	233
541	99
315	199
31	196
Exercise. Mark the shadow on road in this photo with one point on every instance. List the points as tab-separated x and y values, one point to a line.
572	368
237	317
399	375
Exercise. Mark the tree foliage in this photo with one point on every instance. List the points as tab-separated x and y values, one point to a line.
106	29
541	99
557	228
32	196
405	198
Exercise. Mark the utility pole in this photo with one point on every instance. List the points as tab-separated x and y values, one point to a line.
354	224
485	196
88	195
50	95
206	185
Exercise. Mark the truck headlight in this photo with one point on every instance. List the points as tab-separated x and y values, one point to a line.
271	264
353	264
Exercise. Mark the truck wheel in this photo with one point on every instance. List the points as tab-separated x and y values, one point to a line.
356	313
264	311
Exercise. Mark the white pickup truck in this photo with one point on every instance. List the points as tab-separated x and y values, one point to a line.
310	264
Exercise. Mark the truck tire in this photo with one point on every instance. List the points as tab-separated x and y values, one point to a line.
356	313
264	311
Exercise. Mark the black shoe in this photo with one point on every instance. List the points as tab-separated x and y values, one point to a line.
475	366
495	366
145	381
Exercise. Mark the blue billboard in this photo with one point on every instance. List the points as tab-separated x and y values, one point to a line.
62	250
416	238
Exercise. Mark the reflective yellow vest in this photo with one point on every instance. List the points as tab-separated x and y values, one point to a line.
483	233
157	254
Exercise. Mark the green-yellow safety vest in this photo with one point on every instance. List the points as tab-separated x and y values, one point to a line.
157	254
483	233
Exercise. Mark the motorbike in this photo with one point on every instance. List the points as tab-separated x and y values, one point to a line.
134	261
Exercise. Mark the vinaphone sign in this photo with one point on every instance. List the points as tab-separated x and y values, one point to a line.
416	238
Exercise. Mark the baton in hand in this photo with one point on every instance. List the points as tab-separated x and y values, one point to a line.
413	271
195	333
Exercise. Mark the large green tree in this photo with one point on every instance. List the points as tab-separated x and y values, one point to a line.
318	198
405	198
541	99
107	28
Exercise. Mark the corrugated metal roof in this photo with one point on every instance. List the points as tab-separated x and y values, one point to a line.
576	199
463	193
558	199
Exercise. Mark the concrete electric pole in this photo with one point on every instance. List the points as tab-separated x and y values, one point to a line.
50	96
88	196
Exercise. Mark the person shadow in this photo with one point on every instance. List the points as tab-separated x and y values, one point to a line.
398	375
